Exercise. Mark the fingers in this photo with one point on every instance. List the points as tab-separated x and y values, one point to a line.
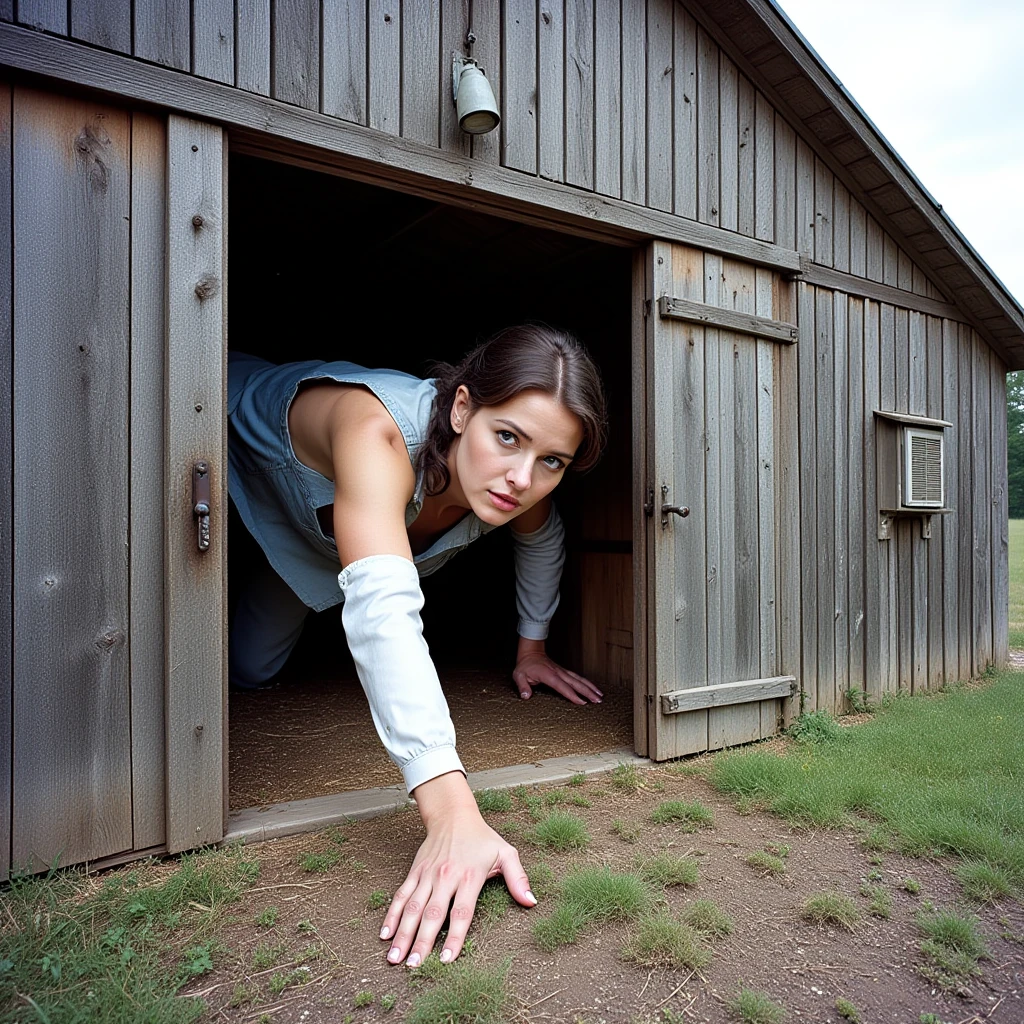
461	918
516	879
421	919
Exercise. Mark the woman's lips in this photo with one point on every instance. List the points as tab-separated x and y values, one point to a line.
503	501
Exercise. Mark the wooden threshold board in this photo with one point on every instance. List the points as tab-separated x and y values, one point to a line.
254	824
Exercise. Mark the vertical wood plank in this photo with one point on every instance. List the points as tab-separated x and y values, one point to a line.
856	521
808	498
804	199
876	621
6	473
344	62
163	32
47	15
489	50
785	184
252	45
888	582
72	753
384	58
455	21
841	227
825	473
420	45
642	578
890	261
904	271
607	98
194	595
728	142
295	52
6	14
551	125
658	119
840	457
519	123
146	543
965	514
213	40
106	23
935	547
951	526
746	126
579	93
982	492
920	549
858	239
707	129
1000	517
764	170
765	471
902	582
823	228
874	253
684	113
634	104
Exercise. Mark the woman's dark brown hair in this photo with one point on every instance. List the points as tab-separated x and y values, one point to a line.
526	357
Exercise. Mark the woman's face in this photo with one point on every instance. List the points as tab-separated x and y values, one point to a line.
509	456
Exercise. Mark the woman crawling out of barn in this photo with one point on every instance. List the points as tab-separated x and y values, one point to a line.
387	476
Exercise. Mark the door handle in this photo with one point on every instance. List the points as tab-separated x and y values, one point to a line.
201	503
678	510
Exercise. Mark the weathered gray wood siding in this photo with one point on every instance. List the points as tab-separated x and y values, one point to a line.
84	673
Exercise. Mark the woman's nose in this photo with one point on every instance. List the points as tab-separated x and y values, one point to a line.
519	476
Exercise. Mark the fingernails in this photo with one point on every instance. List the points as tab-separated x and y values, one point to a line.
413	961
524	695
394	954
385	932
446	955
530	896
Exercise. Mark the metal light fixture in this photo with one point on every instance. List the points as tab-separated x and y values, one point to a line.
473	96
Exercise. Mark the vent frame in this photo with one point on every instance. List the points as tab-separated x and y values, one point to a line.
910	486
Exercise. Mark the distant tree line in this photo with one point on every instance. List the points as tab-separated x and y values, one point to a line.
1015	442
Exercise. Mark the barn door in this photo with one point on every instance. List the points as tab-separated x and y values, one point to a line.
712	338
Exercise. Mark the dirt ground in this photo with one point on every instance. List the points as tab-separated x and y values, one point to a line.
800	965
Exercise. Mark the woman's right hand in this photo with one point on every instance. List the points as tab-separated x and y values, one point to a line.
460	853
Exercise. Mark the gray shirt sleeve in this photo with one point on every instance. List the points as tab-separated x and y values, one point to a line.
539	557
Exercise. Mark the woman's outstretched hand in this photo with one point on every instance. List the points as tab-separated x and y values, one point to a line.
533	666
460	853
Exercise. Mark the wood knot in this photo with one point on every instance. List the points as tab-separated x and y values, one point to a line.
207	286
90	144
109	640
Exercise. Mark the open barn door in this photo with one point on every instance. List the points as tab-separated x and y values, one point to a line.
713	332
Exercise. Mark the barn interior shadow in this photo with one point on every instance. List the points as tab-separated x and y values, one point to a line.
327	268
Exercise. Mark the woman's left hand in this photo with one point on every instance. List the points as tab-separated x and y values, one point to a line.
533	666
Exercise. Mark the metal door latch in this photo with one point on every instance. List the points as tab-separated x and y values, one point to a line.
666	510
201	503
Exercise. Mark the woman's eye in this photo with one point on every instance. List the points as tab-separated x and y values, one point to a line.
507	437
553	462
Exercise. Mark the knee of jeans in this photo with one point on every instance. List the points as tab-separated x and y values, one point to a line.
248	666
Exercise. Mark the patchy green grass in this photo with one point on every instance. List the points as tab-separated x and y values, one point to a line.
708	918
626	777
952	947
267	918
831	908
319	863
266	954
942	772
694	814
363	999
494	900
666	870
911	885
881	901
387	1002
983	881
661	940
1016	560
491	801
764	862
848	1011
818	727
465	994
753	1007
577	780
103	948
627	831
561	831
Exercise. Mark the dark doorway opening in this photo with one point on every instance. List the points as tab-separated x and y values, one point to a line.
322	267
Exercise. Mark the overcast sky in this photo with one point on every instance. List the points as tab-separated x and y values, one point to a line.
943	81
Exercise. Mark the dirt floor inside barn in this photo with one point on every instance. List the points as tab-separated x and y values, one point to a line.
326	963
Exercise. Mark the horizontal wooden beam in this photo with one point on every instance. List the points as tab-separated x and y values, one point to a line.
862	288
727	319
383	159
721	694
912	421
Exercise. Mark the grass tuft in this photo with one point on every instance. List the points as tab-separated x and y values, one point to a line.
766	863
494	900
491	801
708	919
831	908
267	918
560	928
577	780
626	777
752	1007
318	863
817	727
663	940
561	831
881	901
696	814
983	881
848	1011
466	993
628	832
664	869
377	899
952	947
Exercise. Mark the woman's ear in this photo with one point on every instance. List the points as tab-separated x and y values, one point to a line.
461	409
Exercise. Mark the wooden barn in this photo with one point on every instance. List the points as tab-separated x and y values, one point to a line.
805	490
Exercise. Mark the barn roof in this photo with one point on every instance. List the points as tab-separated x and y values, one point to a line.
762	40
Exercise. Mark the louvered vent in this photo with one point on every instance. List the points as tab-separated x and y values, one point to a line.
923	450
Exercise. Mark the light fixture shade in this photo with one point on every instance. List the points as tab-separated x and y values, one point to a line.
474	101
